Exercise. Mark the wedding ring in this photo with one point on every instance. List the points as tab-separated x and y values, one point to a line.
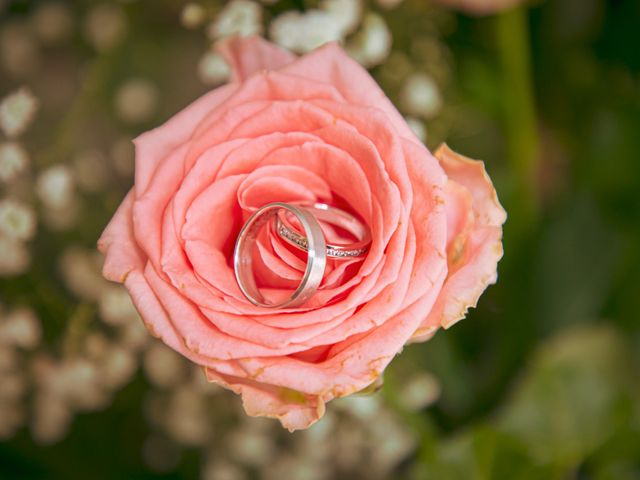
333	216
316	255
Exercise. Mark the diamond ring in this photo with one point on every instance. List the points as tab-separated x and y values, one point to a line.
330	215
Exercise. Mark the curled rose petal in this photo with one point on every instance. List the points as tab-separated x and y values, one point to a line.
299	129
474	244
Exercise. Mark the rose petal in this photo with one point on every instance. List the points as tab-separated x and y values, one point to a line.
294	409
471	174
330	64
248	55
118	244
428	218
154	146
475	259
281	183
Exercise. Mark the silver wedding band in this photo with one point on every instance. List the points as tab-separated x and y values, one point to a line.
316	249
334	216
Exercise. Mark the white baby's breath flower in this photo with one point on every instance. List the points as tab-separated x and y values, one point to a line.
303	32
21	328
77	381
96	345
420	96
117	367
116	307
74	384
51	418
419	391
186	417
68	378
163	367
193	15
55	187
134	336
238	17
372	43
17	219
52	22
363	407
14	257
250	447
17	111
212	69
136	100
418	127
13	160
105	26
392	442
346	14
319	432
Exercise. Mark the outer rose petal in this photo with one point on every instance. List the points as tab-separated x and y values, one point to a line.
295	391
328	64
294	409
154	146
118	244
471	174
472	258
247	56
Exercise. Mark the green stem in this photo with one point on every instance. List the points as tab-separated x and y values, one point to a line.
520	116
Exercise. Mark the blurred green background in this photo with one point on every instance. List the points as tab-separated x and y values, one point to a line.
539	382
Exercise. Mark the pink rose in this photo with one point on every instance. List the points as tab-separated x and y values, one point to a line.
299	129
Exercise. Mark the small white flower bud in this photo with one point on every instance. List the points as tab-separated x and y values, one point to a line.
238	17
13	160
193	15
212	69
421	96
17	111
105	26
21	328
17	220
372	43
136	101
